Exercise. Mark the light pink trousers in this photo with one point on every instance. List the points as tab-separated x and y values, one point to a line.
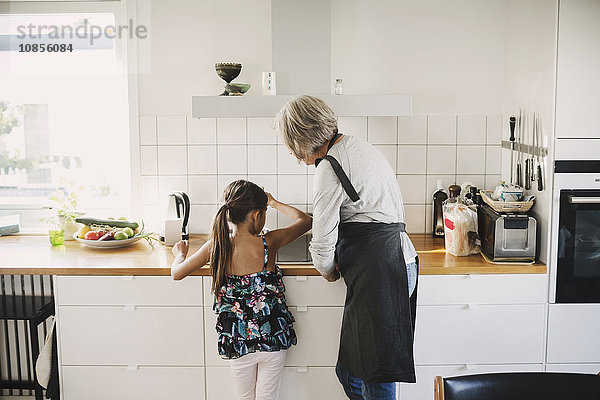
257	376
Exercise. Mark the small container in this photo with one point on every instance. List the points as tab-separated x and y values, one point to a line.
56	235
339	89
438	217
269	86
454	190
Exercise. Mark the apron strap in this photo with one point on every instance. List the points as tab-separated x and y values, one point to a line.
337	168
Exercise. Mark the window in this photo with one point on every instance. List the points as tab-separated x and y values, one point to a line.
63	114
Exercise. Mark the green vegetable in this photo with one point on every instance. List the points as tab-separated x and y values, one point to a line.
128	231
121	235
108	222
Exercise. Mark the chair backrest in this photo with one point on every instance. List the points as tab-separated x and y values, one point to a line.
519	386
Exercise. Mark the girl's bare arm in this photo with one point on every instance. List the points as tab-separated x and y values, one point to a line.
280	237
183	267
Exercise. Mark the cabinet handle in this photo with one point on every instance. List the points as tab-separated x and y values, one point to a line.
474	276
473	307
301	278
127	277
470	367
129	307
132	367
302	369
302	308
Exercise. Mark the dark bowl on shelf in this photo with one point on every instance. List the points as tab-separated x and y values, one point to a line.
228	71
237	89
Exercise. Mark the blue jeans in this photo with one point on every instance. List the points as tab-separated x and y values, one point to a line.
356	389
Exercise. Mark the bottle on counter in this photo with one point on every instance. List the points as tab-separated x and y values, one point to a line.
438	216
339	89
454	190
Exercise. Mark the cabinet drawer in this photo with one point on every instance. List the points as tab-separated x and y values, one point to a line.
482	289
143	336
318	331
301	291
479	335
576	368
574	333
423	389
296	384
122	290
119	383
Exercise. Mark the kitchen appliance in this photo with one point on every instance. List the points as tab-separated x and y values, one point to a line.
506	236
177	218
575	260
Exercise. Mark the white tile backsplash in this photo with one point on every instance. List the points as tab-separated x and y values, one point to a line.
429	218
389	151
261	131
172	160
441	129
382	130
283	220
355	126
232	159
204	155
412	188
491	181
231	130
471	129
202	130
262	159
292	189
171	130
412	130
441	160
287	163
148	160
473	180
271	220
470	160
203	189
412	160
202	159
147	130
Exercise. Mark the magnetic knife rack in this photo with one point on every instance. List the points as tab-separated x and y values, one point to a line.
525	148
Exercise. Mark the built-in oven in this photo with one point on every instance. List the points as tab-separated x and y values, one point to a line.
576	232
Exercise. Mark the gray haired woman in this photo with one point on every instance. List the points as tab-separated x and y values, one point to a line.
359	232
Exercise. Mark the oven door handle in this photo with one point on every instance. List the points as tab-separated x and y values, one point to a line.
584	200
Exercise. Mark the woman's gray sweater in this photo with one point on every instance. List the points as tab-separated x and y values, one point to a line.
380	198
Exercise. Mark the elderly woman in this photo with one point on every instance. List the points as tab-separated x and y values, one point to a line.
359	232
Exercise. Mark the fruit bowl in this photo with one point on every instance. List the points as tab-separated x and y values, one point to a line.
103	244
237	89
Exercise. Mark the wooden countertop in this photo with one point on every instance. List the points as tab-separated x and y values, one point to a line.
33	255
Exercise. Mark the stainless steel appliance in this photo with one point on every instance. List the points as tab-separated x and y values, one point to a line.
575	262
506	236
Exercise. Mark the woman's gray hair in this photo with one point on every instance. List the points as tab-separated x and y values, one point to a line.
305	123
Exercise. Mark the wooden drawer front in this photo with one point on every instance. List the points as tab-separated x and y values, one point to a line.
119	383
574	333
423	389
479	335
123	290
576	368
482	289
144	336
296	384
301	291
318	331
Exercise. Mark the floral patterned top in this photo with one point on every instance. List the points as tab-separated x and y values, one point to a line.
252	313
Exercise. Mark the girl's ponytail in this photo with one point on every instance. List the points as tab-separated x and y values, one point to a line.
221	249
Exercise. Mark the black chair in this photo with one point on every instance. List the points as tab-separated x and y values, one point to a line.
34	310
518	386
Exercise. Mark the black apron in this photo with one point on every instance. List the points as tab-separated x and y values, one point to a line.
376	342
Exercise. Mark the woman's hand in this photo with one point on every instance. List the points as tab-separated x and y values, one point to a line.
270	200
333	275
180	249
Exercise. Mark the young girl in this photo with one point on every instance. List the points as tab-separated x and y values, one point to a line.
253	323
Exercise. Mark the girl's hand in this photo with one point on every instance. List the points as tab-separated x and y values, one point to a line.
180	249
270	199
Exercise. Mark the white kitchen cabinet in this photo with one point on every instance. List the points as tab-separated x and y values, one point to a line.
123	336
576	368
296	384
482	289
480	334
121	383
573	333
318	331
423	389
577	83
129	290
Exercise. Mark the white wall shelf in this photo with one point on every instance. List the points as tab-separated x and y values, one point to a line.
268	106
